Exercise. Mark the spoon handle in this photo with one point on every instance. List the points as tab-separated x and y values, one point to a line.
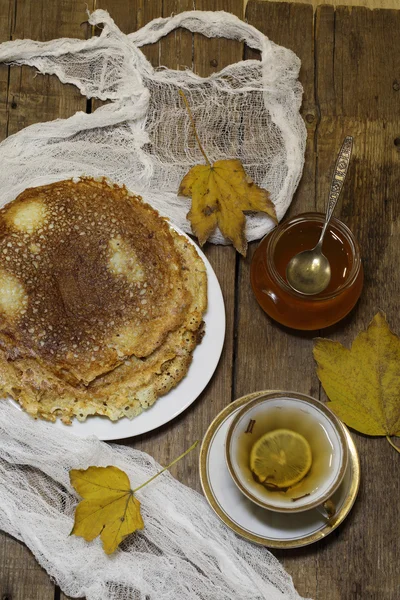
339	175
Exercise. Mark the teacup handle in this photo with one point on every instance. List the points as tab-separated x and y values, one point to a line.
327	509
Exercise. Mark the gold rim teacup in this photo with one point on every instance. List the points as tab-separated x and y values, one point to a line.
309	408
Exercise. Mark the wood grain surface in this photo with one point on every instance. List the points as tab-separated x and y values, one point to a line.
367	3
349	74
351	78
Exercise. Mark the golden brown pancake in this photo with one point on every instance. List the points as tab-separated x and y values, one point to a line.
89	276
130	387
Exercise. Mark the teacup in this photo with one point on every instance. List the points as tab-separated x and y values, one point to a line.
310	418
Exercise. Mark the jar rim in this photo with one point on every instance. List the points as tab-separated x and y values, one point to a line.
318	217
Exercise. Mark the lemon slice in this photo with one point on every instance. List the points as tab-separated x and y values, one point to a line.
280	458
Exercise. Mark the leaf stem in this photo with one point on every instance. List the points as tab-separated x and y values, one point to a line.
194	125
192	447
392	444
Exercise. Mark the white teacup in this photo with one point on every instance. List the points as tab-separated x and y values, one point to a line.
309	417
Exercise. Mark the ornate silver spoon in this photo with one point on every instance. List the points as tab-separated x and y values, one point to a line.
309	272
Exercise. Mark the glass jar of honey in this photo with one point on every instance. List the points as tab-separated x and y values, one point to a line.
296	310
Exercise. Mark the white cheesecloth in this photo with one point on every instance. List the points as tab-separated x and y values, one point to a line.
143	137
184	552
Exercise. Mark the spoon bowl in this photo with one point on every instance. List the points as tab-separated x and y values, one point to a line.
309	272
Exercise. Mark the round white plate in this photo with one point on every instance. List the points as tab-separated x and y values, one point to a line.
257	524
205	360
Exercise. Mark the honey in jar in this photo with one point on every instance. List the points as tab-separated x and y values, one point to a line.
291	308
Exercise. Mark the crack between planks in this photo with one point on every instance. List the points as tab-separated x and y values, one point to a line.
317	107
316	172
237	286
316	133
235	325
333	58
161	40
194	8
8	105
13	20
90	32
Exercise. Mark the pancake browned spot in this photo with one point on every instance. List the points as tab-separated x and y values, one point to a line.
98	273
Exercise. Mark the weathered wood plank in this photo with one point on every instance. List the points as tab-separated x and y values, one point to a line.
216	53
357	78
6	23
131	16
356	94
176	50
269	356
21	577
41	98
367	3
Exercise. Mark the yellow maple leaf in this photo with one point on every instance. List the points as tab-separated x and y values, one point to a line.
221	193
109	507
363	383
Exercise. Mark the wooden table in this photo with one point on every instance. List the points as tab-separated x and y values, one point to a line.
351	78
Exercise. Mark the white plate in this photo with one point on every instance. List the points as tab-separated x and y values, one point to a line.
205	360
257	524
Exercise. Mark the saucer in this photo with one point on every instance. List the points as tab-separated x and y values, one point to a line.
259	525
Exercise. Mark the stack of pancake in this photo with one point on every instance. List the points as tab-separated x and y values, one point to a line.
101	302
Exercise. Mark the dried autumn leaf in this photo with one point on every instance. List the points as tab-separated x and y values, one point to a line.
363	383
109	507
221	193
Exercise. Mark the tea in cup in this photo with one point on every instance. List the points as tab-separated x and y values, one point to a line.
287	452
